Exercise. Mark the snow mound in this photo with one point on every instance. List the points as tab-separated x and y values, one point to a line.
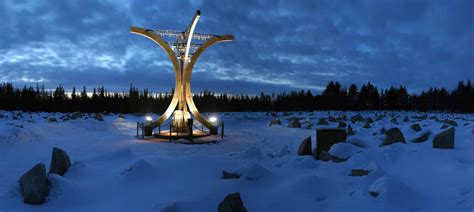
253	153
283	151
253	172
396	193
140	168
19	135
344	150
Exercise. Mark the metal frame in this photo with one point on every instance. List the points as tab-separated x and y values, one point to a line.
182	97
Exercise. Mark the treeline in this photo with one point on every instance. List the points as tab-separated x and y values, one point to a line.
334	97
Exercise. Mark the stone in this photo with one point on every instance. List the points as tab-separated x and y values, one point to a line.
422	138
52	119
416	127
322	121
121	116
34	185
393	135
394	121
76	115
450	122
383	131
99	117
356	118
433	117
59	162
444	126
374	194
349	130
332	119
445	139
229	175
369	120
366	125
342	118
325	138
359	172
232	203
305	147
295	124
342	124
275	122
406	119
423	117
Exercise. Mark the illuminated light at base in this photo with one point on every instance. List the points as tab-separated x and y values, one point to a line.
148	118
213	119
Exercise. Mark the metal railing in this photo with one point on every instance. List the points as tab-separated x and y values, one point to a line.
141	130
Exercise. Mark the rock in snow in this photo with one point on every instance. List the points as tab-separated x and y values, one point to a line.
422	138
444	140
295	124
229	175
275	122
359	172
349	130
305	147
393	135
325	138
416	127
59	162
99	117
342	125
34	185
322	121
232	203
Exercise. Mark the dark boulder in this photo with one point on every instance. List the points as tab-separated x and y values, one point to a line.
59	162
229	175
275	122
99	117
305	147
232	203
393	135
394	121
349	130
416	127
359	172
34	185
450	122
325	138
342	125
322	121
445	139
422	138
332	119
295	124
356	118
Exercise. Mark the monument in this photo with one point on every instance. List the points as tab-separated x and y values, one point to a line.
183	53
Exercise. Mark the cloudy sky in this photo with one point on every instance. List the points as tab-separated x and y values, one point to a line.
280	45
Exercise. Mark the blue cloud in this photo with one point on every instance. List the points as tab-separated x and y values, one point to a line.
280	45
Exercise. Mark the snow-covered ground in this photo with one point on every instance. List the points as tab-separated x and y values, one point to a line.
114	171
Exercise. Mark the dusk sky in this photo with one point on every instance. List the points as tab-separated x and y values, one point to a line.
279	45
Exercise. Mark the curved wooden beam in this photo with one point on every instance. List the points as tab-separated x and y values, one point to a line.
187	80
158	40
